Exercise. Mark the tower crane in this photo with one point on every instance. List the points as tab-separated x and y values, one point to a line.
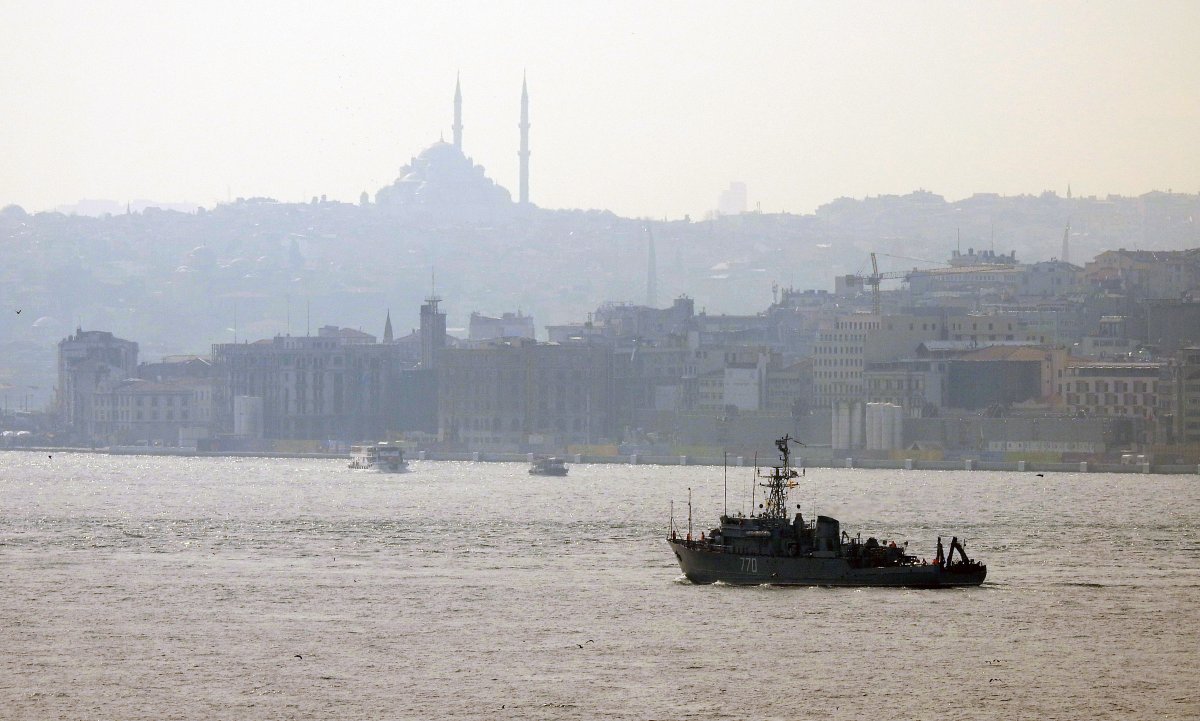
874	280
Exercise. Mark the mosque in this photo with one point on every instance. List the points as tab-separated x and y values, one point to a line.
442	179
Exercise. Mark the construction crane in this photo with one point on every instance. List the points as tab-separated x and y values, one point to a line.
873	280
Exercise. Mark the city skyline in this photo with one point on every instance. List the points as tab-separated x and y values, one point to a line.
203	104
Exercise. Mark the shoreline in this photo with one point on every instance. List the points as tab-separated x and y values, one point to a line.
658	460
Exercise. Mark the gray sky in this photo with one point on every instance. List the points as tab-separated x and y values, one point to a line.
642	108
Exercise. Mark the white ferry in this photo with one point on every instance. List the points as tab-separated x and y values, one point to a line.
383	457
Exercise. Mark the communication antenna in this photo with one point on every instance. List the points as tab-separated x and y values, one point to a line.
725	464
689	513
753	483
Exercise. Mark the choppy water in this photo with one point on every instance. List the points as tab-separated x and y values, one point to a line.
160	588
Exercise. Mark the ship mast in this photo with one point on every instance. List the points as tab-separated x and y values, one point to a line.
779	481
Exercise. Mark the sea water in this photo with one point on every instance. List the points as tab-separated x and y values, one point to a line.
198	588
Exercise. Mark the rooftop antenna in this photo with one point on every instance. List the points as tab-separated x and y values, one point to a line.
307	316
433	298
288	298
235	321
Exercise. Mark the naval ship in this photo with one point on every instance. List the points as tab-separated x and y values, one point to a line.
768	548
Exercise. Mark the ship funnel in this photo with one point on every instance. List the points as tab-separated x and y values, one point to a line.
828	534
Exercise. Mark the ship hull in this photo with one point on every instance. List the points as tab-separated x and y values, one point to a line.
704	566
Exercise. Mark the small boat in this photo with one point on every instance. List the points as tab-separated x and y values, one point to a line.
383	457
548	467
770	548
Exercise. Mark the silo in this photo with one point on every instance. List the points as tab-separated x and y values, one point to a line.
874	427
886	423
248	416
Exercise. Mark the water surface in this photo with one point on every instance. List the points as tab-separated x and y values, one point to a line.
158	588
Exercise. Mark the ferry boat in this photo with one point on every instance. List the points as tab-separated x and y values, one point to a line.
770	548
548	467
383	457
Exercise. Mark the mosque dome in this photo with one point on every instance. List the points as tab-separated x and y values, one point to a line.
442	176
443	180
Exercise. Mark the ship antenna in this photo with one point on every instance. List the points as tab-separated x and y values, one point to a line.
689	513
725	466
753	483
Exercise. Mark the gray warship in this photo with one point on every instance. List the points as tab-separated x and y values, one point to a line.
768	548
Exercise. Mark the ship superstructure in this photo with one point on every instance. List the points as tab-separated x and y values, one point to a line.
768	547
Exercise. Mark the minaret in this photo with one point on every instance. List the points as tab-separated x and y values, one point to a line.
1066	249
524	153
387	328
457	113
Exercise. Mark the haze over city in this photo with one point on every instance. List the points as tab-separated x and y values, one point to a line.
645	110
396	360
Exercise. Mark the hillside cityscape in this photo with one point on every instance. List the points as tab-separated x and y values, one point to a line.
1041	326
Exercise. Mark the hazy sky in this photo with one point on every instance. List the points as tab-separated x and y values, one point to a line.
646	108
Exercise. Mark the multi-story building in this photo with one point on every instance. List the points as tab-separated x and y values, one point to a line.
173	413
337	385
915	384
621	320
845	348
1112	341
1179	399
1048	279
1112	389
90	362
1173	324
982	329
508	325
1143	274
518	394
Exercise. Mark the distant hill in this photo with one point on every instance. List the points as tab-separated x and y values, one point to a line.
178	281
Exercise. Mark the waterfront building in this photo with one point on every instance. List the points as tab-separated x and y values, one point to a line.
1179	401
139	411
89	362
338	385
517	394
917	385
1104	388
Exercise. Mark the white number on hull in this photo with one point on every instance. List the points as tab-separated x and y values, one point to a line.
749	565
